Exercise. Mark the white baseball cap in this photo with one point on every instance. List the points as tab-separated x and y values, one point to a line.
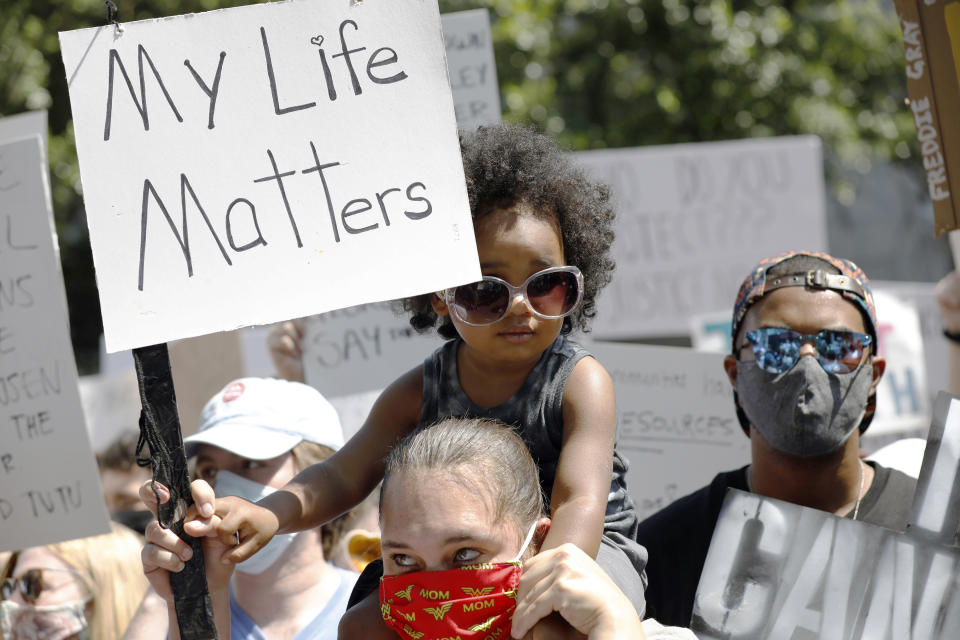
262	418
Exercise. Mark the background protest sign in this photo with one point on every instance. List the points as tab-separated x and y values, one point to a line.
692	219
361	349
473	71
272	164
931	38
778	570
676	421
24	125
49	489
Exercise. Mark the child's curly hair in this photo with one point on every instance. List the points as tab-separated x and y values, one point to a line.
507	165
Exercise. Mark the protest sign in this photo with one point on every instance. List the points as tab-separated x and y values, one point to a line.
676	421
111	404
931	37
49	489
693	219
361	349
779	570
473	71
25	125
903	399
249	165
920	296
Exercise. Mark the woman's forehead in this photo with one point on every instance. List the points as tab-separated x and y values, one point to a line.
434	502
39	558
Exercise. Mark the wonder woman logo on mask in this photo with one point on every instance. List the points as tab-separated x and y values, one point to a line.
476	602
484	610
439	613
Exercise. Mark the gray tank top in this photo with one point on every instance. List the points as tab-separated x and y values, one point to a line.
535	412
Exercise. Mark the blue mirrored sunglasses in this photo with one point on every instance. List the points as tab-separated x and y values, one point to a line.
777	350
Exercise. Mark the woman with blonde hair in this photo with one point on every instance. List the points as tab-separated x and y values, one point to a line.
73	590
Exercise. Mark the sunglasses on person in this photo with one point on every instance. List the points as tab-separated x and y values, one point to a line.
33	582
552	293
777	350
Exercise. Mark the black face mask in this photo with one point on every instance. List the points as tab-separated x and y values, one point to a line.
136	519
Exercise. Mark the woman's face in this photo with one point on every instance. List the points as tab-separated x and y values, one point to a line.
274	472
60	604
432	521
60	581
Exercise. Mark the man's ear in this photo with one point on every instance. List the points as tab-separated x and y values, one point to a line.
439	304
879	366
730	366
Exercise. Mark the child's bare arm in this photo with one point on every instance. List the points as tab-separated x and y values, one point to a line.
325	490
579	497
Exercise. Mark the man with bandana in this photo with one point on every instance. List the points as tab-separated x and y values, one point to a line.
804	367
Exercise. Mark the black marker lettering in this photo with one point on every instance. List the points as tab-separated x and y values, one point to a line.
273	81
183	238
7	345
11	244
256	225
142	103
211	93
345	54
326	189
283	193
383	209
418	215
327	76
347	211
373	62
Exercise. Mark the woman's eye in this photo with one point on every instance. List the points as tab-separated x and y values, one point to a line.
403	560
251	464
207	473
466	556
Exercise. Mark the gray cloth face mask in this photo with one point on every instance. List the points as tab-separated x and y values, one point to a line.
805	411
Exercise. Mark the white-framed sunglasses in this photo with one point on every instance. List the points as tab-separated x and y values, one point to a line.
552	293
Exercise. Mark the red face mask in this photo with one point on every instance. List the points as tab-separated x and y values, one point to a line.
474	602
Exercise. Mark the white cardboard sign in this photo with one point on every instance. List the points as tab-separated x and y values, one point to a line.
361	349
692	219
49	489
676	421
249	165
473	71
779	570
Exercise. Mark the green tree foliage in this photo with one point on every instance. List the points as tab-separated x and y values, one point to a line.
594	73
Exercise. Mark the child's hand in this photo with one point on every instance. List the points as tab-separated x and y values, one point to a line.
285	343
241	520
165	552
948	299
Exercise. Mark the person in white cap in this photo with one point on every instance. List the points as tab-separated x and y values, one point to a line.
254	436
